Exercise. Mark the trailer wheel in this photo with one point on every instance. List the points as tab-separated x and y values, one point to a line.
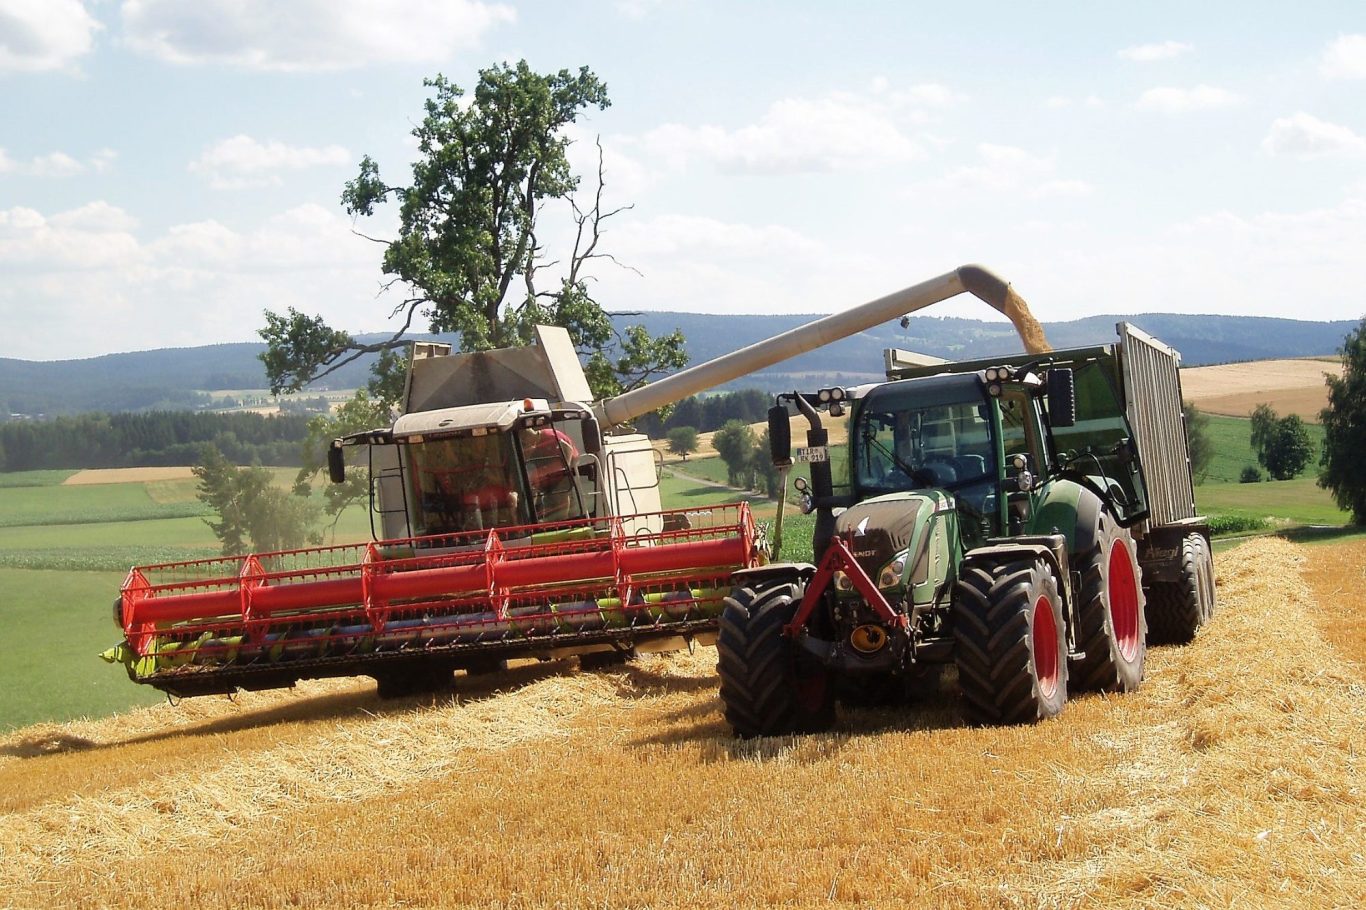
1111	618
1179	608
1010	645
766	687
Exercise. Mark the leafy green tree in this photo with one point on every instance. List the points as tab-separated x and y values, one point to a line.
1250	474
734	442
766	476
252	513
683	441
1263	426
1198	443
1344	429
1284	447
468	251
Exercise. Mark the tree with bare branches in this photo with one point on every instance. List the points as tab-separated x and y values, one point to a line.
468	256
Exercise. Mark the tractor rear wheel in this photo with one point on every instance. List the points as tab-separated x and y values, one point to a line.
1010	643
767	688
1111	621
1179	608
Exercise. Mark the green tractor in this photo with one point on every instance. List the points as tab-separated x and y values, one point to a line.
995	517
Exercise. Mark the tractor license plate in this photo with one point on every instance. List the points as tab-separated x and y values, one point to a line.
813	454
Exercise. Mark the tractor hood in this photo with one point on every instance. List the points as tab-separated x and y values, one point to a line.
878	529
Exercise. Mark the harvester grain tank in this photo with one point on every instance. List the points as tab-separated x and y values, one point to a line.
1011	518
509	522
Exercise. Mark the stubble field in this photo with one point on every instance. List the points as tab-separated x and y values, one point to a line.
1232	778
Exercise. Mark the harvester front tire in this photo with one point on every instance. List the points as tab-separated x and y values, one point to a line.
1111	615
1177	609
1010	643
767	688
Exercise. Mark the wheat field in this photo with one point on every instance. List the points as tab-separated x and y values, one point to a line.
1233	778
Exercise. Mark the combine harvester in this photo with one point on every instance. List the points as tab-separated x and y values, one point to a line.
512	524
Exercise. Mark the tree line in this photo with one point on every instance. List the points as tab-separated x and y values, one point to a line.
707	413
156	438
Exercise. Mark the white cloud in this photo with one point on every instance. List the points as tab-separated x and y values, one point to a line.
1170	100
1344	58
1303	135
309	34
57	164
242	161
1147	53
43	35
90	277
801	135
1004	169
92	237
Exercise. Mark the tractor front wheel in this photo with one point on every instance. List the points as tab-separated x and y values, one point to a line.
767	688
1010	643
1111	620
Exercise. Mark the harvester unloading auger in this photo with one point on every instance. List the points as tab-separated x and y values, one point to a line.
512	525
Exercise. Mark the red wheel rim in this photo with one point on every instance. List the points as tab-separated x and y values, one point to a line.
1123	600
1045	647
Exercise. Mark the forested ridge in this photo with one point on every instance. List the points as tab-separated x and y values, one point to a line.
176	377
149	439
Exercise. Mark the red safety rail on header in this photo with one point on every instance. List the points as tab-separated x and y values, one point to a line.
496	580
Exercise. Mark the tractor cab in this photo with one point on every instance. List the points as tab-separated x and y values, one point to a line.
930	434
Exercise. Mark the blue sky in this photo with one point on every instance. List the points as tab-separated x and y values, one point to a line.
170	168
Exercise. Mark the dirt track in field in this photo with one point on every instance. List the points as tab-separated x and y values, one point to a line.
1234	777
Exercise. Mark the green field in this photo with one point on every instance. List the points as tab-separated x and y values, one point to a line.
56	623
1232	441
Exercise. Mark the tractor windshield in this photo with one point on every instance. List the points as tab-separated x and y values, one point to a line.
925	434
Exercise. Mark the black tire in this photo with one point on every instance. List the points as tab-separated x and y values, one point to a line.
766	687
1010	643
1111	616
1177	609
486	666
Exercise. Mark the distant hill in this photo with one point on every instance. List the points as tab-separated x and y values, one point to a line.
175	377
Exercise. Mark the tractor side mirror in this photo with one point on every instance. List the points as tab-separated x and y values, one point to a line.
780	435
1062	397
336	464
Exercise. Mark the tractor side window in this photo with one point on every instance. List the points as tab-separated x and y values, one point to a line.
1095	444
